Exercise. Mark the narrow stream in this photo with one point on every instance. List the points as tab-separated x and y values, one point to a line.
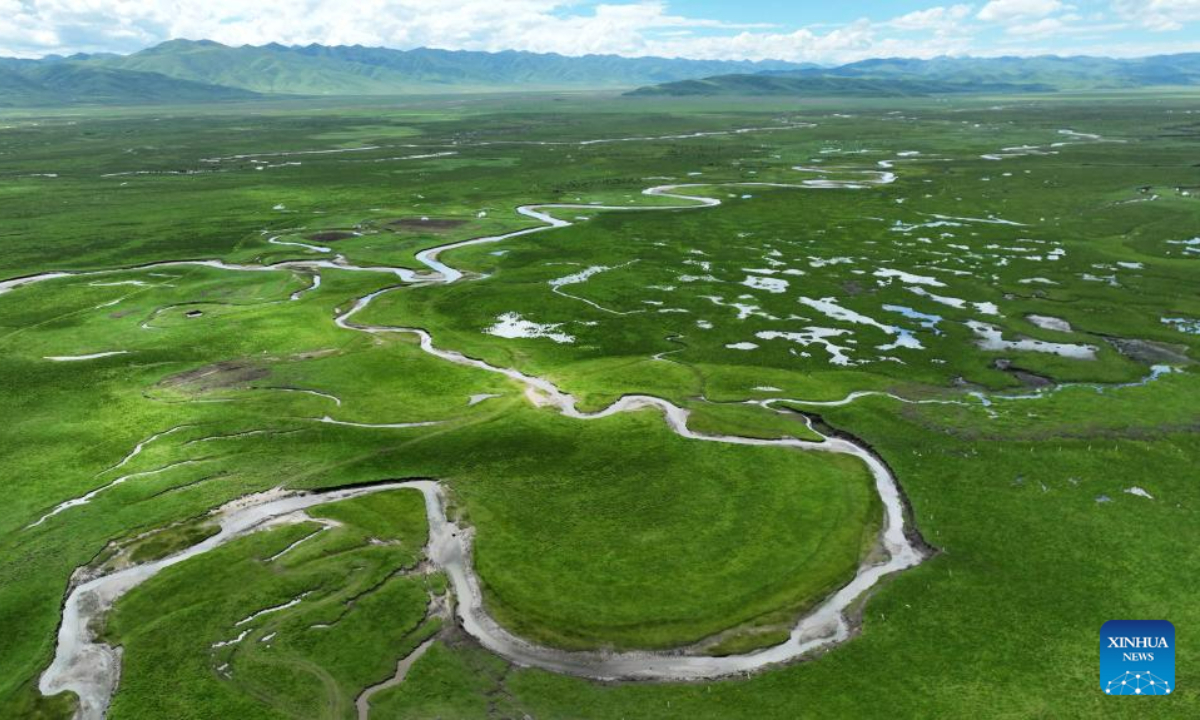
823	626
91	669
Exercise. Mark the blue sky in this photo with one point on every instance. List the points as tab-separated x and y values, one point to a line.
823	32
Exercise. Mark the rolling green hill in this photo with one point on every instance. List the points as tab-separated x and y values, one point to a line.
16	89
267	69
69	82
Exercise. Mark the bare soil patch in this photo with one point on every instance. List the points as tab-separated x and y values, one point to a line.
1150	352
331	236
429	224
218	376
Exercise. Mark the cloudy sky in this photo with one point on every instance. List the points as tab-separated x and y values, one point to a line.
825	32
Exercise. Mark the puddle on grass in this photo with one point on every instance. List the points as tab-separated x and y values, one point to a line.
830	308
991	338
1191	326
770	284
1046	322
987	308
815	336
929	322
511	325
911	279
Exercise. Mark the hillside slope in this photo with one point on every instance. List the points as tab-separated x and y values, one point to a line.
823	86
356	70
70	82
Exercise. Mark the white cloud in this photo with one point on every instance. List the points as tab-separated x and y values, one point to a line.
937	19
1159	15
1006	11
1041	28
648	27
570	27
856	41
1075	26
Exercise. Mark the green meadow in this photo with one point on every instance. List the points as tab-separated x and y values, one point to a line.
1030	273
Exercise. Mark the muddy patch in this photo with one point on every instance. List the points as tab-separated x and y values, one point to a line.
218	376
331	236
1149	352
1027	378
424	224
314	354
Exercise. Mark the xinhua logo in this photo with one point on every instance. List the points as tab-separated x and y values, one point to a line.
1137	657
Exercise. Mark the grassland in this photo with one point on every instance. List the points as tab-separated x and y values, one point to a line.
616	532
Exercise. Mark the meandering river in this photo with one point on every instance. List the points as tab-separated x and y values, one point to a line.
91	669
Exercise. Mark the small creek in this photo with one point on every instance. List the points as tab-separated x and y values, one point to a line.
92	669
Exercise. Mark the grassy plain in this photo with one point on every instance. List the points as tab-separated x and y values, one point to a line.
608	533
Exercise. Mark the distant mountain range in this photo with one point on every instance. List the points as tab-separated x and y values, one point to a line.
181	71
827	86
900	76
25	84
210	70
